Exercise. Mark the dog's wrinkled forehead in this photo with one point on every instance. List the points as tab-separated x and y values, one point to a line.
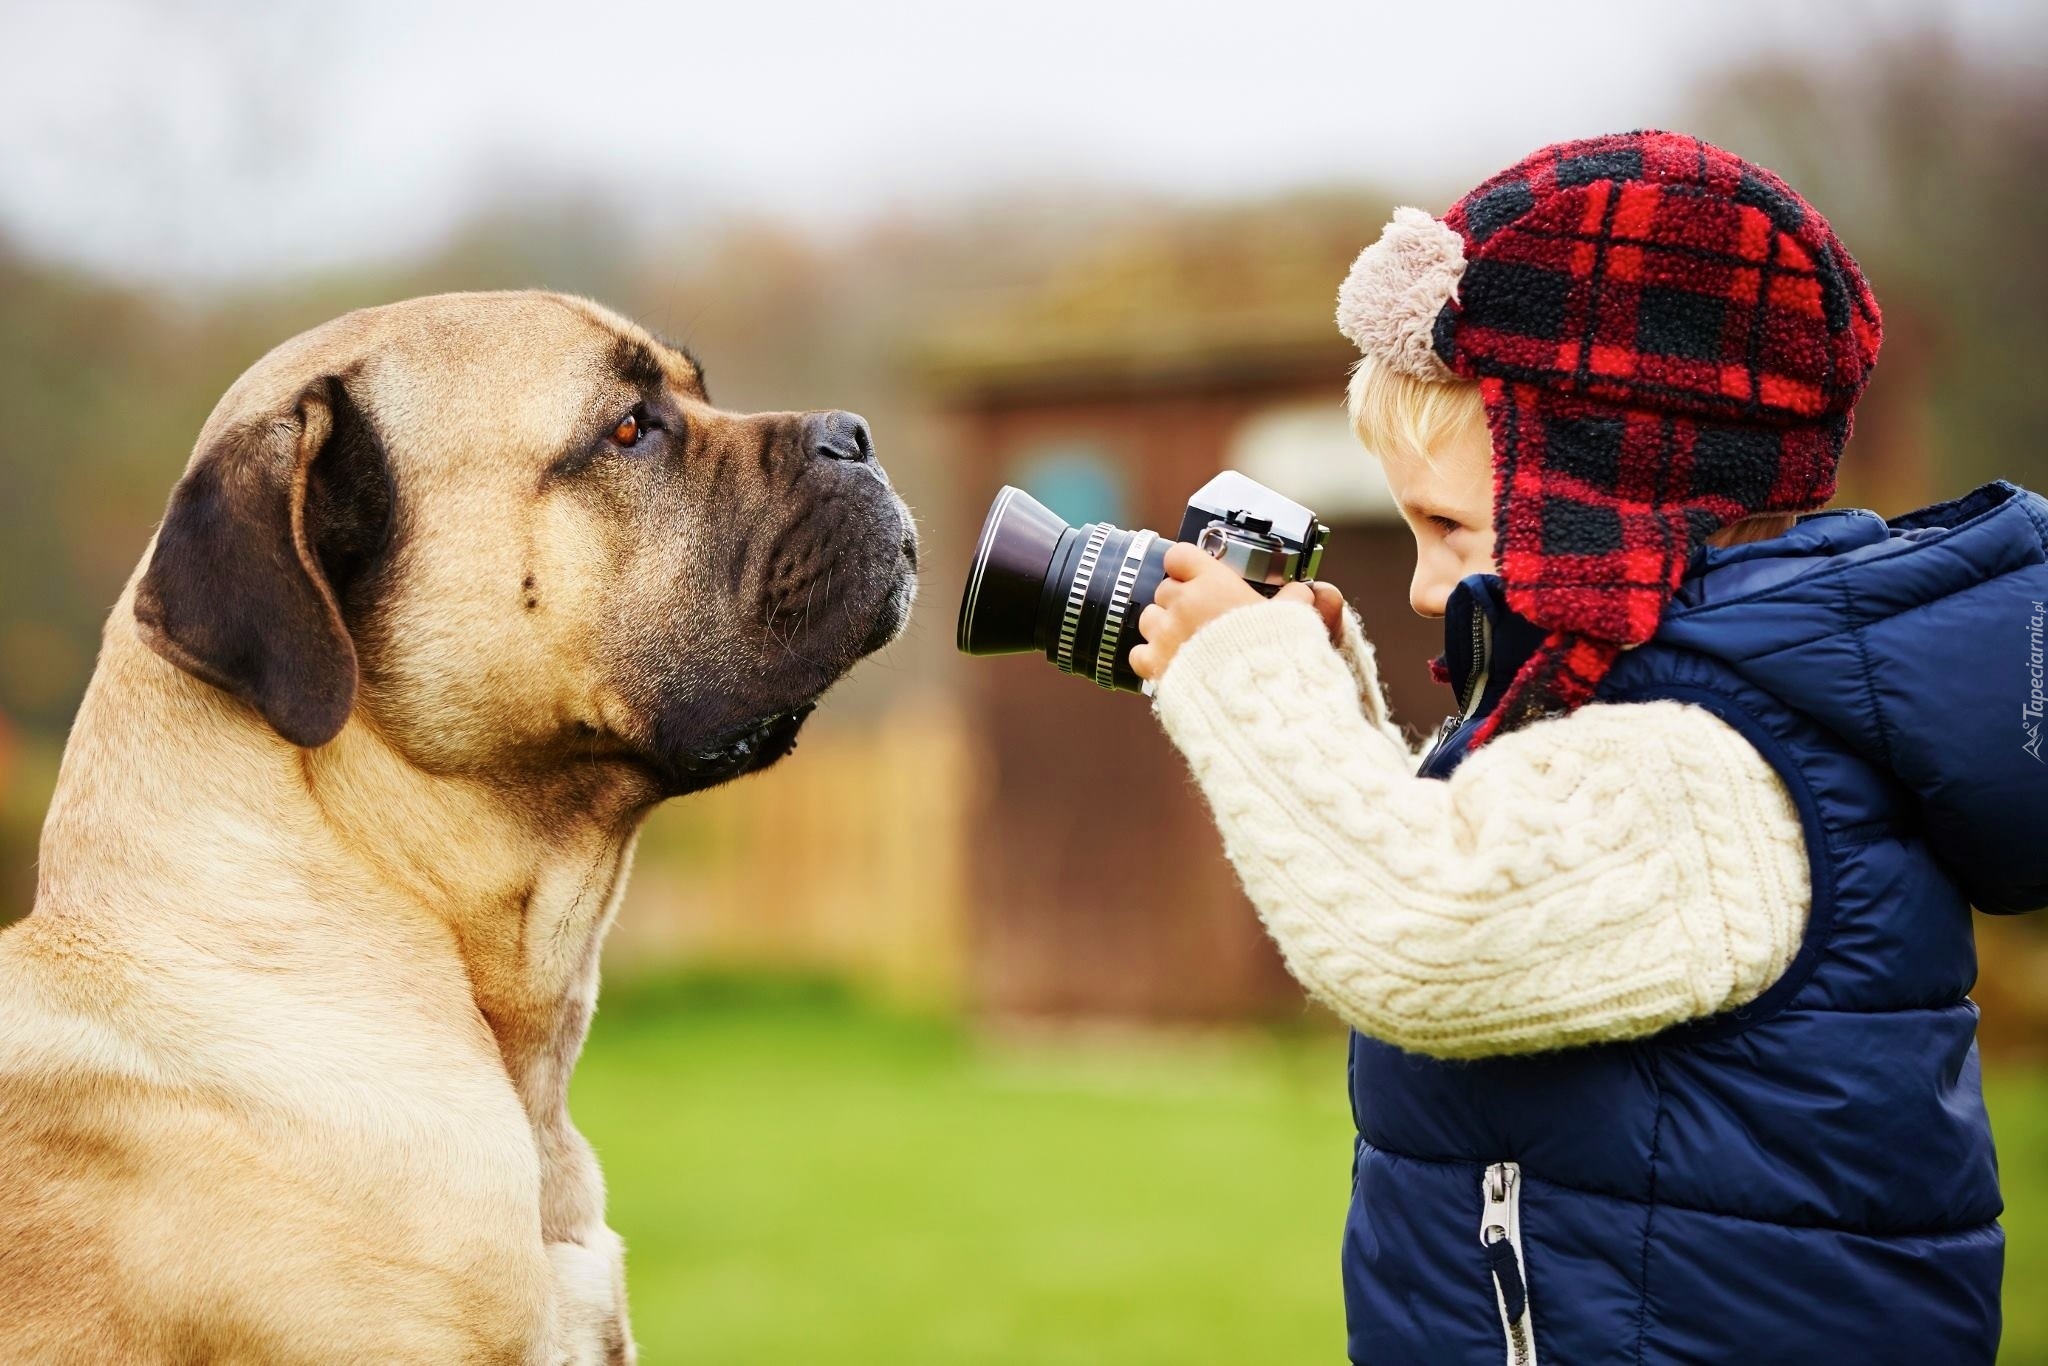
634	359
652	366
517	364
544	366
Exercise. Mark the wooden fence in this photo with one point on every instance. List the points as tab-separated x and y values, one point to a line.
846	859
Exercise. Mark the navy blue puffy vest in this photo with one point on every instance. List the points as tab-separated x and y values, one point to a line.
1810	1178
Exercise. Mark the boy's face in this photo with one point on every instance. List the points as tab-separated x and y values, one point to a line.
1448	505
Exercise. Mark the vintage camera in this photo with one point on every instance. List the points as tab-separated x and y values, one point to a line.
1075	592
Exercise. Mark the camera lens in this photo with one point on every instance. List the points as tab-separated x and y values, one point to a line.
1072	593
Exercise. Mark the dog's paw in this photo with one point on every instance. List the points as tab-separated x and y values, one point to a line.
590	1303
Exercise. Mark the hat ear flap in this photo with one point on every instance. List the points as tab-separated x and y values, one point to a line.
262	535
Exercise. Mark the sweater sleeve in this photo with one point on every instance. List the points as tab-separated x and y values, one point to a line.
1358	655
1592	877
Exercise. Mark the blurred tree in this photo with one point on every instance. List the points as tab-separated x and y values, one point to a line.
97	389
1924	154
1926	157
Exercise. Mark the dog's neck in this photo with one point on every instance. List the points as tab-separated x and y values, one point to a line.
519	885
526	882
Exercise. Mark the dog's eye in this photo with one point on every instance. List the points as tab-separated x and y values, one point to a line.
627	433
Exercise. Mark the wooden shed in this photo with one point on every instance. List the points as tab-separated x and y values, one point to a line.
1096	884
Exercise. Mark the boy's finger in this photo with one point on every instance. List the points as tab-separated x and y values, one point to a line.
1184	561
1296	592
1330	603
1152	621
1141	660
1169	591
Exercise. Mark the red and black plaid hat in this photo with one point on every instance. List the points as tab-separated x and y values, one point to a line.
1667	340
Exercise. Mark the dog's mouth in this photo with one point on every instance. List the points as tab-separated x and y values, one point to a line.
765	742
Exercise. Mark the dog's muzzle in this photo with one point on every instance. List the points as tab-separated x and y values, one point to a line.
759	745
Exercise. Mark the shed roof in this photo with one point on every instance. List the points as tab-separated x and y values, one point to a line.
1189	298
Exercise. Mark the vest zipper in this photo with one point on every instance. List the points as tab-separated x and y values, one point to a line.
1482	642
1500	1234
1475	686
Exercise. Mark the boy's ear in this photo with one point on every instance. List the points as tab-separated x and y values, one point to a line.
263	535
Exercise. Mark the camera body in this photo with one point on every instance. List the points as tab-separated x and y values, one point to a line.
1270	540
1074	593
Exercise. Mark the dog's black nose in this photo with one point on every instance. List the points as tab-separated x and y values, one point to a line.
838	436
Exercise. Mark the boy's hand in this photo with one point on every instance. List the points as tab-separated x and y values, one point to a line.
1329	604
1197	590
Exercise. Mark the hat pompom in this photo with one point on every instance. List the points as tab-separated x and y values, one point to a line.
1389	303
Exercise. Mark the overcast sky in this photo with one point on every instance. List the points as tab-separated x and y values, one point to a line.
205	138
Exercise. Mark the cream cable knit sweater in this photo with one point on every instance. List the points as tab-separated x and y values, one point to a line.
1596	876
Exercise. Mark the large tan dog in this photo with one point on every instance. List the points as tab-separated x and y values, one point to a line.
451	594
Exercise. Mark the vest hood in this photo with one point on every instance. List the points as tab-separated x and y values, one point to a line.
1920	642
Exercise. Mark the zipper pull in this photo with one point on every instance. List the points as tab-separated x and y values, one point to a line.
1500	1235
1496	1221
1507	1278
1443	733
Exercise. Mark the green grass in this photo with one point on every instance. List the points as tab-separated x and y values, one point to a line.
2019	1117
803	1179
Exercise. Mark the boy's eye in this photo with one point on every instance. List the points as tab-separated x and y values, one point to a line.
1444	524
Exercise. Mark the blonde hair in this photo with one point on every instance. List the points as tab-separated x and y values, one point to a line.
1396	414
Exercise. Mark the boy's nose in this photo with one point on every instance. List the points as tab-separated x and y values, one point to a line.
1428	594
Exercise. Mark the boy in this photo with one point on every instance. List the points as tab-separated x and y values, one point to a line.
1659	964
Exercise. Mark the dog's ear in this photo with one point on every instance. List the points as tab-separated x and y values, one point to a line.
264	535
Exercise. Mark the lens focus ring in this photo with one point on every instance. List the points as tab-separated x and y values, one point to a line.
1119	605
1077	596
